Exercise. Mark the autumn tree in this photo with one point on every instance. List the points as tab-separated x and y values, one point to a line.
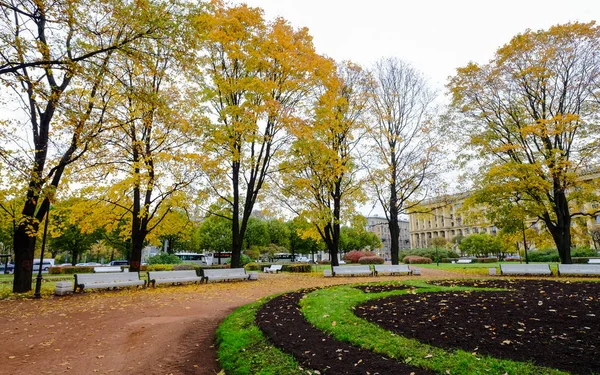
320	176
146	164
53	59
529	118
254	74
404	161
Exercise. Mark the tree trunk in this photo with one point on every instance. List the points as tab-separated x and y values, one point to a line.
395	235
561	231
137	243
393	214
24	246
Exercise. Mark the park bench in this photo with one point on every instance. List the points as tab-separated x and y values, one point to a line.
594	261
525	269
223	274
579	269
173	277
274	268
464	261
108	269
352	270
107	280
392	269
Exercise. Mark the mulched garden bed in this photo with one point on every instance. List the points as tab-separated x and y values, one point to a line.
284	325
554	324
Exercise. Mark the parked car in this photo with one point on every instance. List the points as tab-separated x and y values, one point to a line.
47	263
9	267
121	262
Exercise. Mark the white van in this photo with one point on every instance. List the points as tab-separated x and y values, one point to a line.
46	264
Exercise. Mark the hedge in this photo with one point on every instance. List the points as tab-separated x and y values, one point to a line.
70	270
297	267
411	259
371	260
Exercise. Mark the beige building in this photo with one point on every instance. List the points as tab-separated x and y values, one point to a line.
379	226
443	220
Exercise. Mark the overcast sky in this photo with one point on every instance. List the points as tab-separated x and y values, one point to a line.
435	36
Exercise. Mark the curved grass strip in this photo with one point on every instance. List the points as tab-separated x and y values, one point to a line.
331	310
243	350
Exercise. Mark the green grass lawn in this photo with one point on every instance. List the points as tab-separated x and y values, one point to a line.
244	350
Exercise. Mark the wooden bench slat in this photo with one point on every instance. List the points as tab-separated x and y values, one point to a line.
274	268
179	276
352	270
392	268
525	269
105	269
579	269
222	274
107	280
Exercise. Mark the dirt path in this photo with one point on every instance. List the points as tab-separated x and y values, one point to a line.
167	330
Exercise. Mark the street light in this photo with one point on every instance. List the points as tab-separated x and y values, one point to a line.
38	280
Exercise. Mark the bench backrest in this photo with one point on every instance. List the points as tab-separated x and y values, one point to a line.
90	278
351	269
464	261
153	275
524	269
594	261
276	267
392	268
579	269
225	272
107	269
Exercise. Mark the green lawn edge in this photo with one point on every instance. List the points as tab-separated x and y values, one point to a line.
331	310
243	350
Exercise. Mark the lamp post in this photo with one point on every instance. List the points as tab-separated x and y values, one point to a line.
38	280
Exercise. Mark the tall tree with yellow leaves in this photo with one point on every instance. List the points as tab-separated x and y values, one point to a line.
53	59
254	74
145	164
531	120
320	179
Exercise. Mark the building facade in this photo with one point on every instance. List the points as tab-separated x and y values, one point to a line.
443	219
379	226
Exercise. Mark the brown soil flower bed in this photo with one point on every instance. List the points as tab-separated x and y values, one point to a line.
551	323
284	325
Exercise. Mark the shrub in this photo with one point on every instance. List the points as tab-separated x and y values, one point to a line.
296	267
70	270
164	258
160	267
244	259
543	255
371	260
411	259
182	267
484	260
428	253
253	266
324	262
583	251
355	255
